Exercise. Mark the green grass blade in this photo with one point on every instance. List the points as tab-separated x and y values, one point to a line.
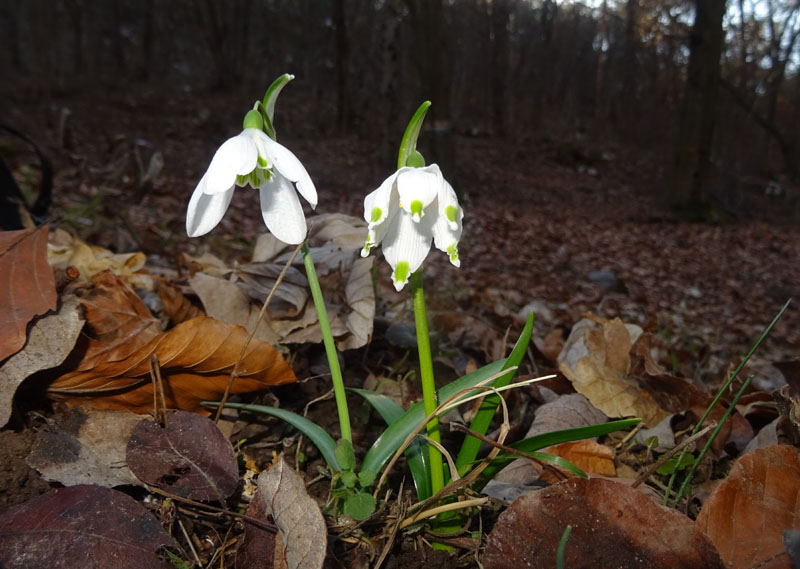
533	444
391	439
483	418
417	452
323	441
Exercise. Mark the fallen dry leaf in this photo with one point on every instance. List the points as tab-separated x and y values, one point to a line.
257	547
85	446
596	360
190	457
196	359
66	250
748	513
235	296
50	341
176	306
27	285
117	321
300	523
612	526
87	526
589	456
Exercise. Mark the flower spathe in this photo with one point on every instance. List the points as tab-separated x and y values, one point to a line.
411	208
253	158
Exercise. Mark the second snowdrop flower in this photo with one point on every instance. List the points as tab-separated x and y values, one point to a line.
413	207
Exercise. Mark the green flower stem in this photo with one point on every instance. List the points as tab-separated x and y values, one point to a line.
426	374
330	348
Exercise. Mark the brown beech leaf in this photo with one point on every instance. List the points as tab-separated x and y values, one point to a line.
82	526
257	548
50	340
190	457
85	446
176	306
299	520
196	359
118	322
612	526
589	456
596	360
27	285
748	513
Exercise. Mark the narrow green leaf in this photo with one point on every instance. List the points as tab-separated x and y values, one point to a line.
409	143
560	462
272	94
417	452
391	439
483	418
323	441
533	444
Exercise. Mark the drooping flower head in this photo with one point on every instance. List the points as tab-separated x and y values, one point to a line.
411	208
253	159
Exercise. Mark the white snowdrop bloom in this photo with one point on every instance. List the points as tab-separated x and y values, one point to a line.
253	158
410	208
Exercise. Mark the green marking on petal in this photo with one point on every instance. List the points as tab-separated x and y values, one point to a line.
376	214
401	272
262	162
416	208
451	212
452	251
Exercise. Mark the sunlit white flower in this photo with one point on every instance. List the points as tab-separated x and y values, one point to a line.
412	207
253	158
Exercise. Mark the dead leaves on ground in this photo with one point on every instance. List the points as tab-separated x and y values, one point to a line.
612	526
92	526
196	359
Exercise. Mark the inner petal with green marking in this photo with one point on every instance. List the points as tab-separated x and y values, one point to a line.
401	272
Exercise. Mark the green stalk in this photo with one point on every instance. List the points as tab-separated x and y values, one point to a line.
330	348
426	375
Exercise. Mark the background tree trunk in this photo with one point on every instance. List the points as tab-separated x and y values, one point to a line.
687	189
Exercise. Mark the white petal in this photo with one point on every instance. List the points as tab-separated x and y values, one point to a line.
376	234
405	246
205	211
282	211
236	157
282	159
418	187
379	202
448	226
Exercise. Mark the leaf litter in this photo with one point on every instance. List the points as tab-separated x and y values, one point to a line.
687	340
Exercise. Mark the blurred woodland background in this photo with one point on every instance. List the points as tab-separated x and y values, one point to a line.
711	87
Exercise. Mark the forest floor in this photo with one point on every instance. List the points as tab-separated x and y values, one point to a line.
563	227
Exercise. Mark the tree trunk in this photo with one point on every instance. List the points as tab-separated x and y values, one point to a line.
687	188
342	68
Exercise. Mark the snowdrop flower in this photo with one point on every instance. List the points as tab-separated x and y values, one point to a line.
409	209
253	158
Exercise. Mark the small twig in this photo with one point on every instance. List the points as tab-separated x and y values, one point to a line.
189	542
511	450
255	521
648	472
158	389
433	512
387	547
235	372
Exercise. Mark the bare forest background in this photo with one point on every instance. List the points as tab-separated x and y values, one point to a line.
709	87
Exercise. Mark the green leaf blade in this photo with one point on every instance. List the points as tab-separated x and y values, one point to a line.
322	440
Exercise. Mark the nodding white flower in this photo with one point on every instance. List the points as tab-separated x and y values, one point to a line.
253	158
410	208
